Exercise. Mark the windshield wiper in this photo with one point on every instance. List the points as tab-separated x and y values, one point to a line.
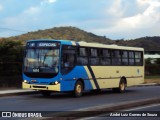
44	58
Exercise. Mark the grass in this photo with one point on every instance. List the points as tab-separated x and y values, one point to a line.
152	79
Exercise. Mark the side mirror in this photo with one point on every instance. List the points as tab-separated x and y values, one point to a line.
66	64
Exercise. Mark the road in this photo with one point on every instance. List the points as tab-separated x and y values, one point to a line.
148	110
65	102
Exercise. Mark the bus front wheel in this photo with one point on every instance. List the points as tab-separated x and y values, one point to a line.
78	89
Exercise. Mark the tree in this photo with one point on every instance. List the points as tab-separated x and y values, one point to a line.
11	50
157	61
148	61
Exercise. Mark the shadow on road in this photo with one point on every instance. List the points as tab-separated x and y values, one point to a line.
68	95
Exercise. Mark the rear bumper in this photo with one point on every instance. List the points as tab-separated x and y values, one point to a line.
41	87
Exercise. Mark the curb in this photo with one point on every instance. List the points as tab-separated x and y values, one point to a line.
148	84
18	93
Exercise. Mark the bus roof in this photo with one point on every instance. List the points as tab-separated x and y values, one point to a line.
86	44
112	46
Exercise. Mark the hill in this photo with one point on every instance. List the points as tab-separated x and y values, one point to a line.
148	43
76	34
63	33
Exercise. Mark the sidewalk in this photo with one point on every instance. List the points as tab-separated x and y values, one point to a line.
148	84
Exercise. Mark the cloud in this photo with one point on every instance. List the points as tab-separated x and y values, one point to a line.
148	18
47	2
31	18
116	9
1	7
25	17
51	1
32	11
113	18
125	24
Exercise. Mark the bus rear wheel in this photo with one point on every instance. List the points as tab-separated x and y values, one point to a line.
122	86
78	89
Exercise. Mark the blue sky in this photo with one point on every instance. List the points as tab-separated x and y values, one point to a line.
115	19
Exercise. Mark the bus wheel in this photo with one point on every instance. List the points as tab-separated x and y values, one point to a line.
78	89
46	93
122	86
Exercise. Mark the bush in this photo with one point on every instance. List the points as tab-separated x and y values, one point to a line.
11	63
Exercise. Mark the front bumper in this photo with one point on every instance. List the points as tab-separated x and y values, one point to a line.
41	87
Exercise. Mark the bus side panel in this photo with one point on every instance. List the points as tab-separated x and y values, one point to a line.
100	77
69	80
109	76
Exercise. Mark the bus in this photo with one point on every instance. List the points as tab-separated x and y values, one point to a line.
69	66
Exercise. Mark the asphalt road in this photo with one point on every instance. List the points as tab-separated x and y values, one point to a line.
149	110
65	102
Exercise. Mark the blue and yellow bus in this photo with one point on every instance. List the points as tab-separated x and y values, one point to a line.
63	66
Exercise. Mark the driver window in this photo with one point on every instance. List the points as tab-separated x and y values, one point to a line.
68	59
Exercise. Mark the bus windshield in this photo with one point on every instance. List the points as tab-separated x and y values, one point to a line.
41	60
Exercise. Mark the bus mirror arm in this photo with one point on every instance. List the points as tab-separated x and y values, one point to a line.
66	64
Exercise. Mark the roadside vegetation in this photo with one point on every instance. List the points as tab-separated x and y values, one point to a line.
152	70
11	55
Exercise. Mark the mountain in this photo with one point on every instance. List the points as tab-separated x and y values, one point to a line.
148	43
76	34
63	33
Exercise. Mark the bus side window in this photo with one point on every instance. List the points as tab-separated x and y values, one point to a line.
82	57
138	58
124	57
116	57
131	58
94	59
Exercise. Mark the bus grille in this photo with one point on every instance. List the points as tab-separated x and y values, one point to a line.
39	86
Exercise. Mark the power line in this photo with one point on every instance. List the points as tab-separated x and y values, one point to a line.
2	28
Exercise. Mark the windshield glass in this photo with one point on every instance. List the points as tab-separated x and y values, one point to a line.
41	60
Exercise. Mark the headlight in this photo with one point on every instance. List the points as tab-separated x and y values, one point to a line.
54	83
25	81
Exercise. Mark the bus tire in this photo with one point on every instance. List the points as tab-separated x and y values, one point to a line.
78	89
46	93
122	86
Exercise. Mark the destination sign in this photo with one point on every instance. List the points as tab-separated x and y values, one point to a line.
42	44
47	45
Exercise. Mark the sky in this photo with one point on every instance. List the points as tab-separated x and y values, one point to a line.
115	19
